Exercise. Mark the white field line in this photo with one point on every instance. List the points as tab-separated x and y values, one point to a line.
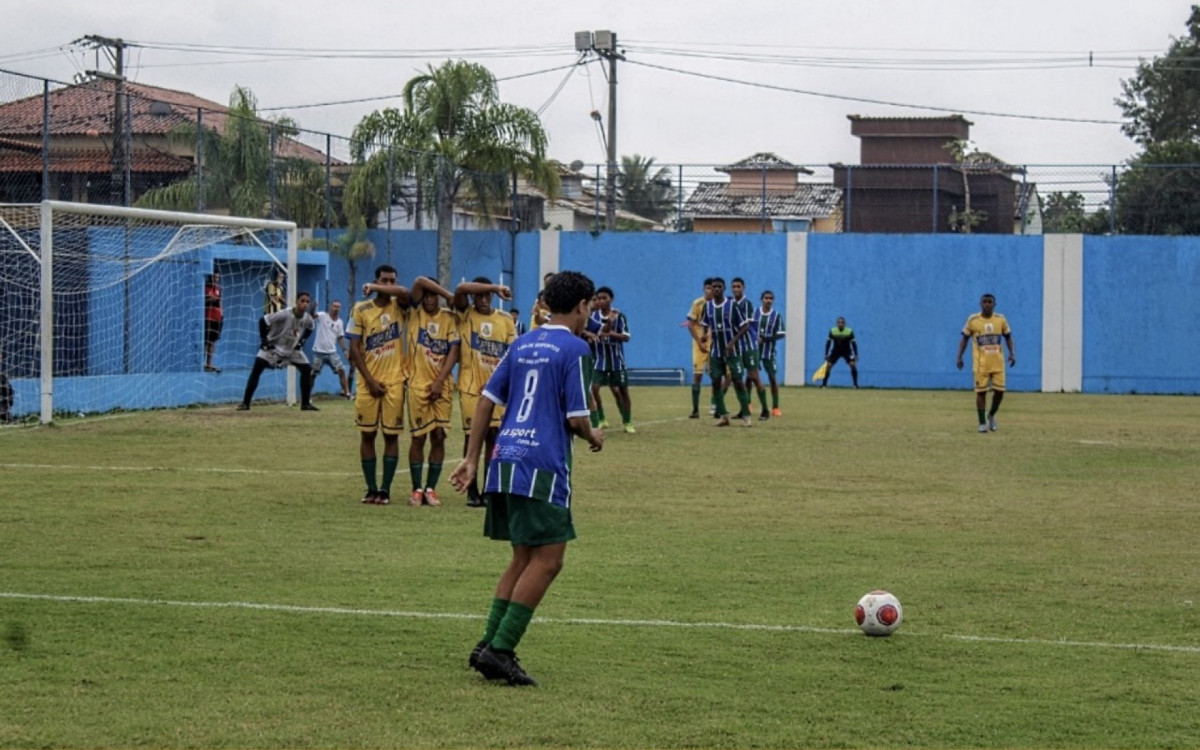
196	469
585	621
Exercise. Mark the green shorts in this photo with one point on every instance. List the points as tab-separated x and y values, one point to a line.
768	366
525	521
750	360
616	378
718	365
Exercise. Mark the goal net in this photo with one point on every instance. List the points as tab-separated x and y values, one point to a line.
105	308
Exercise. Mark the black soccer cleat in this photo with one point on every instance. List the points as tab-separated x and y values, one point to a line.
474	499
309	407
473	663
505	666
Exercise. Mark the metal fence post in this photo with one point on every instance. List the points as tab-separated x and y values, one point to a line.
328	184
199	160
679	203
272	176
849	197
596	222
46	140
1112	202
935	199
391	176
763	228
1021	205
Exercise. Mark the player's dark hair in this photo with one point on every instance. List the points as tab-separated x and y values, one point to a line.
515	311
736	279
716	279
385	268
764	294
303	294
481	280
988	295
566	290
708	281
606	290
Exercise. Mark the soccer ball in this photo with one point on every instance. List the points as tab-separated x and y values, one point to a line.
878	613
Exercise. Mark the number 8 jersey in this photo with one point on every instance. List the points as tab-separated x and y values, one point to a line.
542	382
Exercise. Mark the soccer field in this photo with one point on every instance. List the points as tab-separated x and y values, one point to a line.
207	578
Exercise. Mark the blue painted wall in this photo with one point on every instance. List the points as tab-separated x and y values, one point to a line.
908	296
1141	298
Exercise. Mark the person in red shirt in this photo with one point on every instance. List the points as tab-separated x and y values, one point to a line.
214	318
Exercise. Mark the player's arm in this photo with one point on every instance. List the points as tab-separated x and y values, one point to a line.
469	288
423	285
451	359
401	294
464	474
962	347
374	387
304	336
853	348
582	427
620	330
738	336
1012	353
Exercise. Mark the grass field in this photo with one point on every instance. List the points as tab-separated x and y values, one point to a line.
163	585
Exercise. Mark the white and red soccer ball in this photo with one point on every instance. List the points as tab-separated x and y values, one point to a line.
878	613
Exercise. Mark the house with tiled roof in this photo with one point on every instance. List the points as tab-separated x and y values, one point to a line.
80	135
764	194
909	182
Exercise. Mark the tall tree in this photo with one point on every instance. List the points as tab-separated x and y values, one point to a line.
645	190
965	156
460	142
1162	100
237	169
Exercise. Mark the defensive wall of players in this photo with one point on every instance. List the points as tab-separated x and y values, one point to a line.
1090	314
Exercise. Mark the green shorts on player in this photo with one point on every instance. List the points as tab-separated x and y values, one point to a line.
614	378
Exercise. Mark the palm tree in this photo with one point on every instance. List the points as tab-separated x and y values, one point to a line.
459	141
237	169
644	190
965	155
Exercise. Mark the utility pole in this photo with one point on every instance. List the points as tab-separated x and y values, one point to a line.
604	43
115	51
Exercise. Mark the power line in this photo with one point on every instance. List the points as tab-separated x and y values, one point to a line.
866	100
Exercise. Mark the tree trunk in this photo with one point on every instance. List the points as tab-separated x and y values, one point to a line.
968	217
445	237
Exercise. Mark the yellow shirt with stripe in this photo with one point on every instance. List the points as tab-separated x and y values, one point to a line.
380	329
484	340
430	338
987	336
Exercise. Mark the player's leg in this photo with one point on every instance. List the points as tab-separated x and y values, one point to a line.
717	372
853	370
437	455
737	375
620	392
342	379
831	360
770	367
997	396
982	383
366	454
256	372
416	467
306	386
597	406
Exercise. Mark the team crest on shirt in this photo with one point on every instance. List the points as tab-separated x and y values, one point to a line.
987	328
385	318
433	328
485	330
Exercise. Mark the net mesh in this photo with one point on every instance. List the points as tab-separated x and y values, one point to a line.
130	327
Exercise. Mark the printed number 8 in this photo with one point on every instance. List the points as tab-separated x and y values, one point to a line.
531	383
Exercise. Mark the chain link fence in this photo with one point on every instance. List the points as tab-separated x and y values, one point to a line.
124	143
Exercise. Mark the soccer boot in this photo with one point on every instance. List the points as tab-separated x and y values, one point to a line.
603	424
474	499
505	665
628	427
694	415
723	421
309	407
416	498
383	497
243	407
983	428
764	416
431	498
473	662
776	413
746	421
369	498
992	423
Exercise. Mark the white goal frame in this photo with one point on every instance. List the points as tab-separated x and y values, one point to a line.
182	219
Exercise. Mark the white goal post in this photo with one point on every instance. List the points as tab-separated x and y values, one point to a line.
103	307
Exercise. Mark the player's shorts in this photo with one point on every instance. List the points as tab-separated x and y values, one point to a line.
467	403
836	355
320	359
995	377
614	378
768	365
277	358
212	330
750	360
699	360
719	365
385	412
525	521
425	416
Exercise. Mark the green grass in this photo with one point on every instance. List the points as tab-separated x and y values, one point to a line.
1048	574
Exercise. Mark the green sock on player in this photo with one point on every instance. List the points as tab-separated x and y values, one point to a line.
626	414
982	419
389	472
696	397
414	470
512	627
368	470
495	615
435	473
762	398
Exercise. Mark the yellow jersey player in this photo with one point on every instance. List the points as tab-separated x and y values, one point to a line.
699	345
432	334
985	329
485	335
377	351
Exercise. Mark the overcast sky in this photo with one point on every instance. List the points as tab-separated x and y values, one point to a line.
1020	57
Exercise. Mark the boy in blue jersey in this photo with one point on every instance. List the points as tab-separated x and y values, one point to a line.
543	384
608	351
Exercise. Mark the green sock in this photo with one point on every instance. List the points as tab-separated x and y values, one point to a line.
626	414
775	399
981	417
595	419
435	473
762	398
695	397
499	607
743	397
368	470
512	627
415	470
389	471
600	411
719	402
